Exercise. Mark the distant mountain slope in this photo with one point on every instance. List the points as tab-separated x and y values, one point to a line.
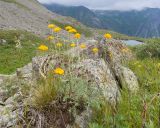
27	15
144	23
80	13
24	14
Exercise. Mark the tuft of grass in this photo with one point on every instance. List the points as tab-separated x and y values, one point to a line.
44	93
49	90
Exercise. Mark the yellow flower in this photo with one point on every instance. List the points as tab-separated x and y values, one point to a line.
72	31
59	44
72	44
95	50
59	71
57	29
50	37
82	46
68	28
77	35
43	47
107	36
51	26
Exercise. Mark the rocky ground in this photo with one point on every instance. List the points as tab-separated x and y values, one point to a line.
27	15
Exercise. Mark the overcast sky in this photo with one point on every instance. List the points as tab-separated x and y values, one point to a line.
109	4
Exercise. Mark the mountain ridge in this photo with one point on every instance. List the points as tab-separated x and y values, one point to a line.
141	23
81	13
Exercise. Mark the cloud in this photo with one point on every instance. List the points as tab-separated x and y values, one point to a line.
109	4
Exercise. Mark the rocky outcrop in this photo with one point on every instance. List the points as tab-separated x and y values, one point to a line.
100	73
9	111
106	74
25	73
127	78
81	121
11	98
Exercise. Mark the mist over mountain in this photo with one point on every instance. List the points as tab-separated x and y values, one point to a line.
143	23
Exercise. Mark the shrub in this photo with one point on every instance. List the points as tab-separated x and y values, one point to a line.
150	49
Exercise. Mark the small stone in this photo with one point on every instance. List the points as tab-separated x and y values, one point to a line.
3	42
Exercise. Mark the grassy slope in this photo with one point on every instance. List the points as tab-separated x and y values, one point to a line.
129	112
11	57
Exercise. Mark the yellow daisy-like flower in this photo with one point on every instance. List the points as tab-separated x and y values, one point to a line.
57	29
68	28
107	36
50	37
51	26
43	47
72	44
82	46
59	71
77	35
95	50
59	44
72	31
